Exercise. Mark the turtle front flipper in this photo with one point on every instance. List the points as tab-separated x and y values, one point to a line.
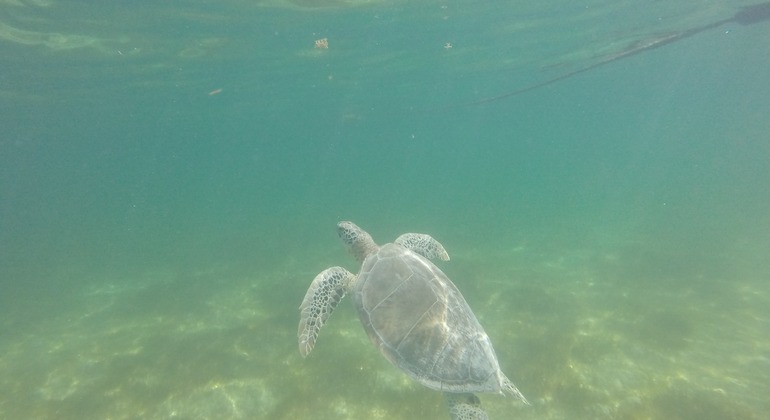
465	407
326	291
424	245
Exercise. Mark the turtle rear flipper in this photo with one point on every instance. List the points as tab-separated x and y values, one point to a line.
326	291
424	245
465	407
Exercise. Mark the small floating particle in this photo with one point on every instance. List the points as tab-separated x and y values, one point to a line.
322	43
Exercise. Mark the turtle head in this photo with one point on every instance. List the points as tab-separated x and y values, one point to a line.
356	239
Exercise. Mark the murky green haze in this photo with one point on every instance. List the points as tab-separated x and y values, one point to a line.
171	176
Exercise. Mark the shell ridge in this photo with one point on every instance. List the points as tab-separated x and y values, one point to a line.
416	323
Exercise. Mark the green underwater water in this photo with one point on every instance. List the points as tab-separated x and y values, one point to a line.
157	234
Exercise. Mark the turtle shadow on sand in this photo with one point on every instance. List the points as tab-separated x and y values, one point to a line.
414	315
745	16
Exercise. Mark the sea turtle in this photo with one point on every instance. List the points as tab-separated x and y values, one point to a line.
414	314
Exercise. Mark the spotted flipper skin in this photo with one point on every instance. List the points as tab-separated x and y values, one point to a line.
424	245
325	293
465	407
